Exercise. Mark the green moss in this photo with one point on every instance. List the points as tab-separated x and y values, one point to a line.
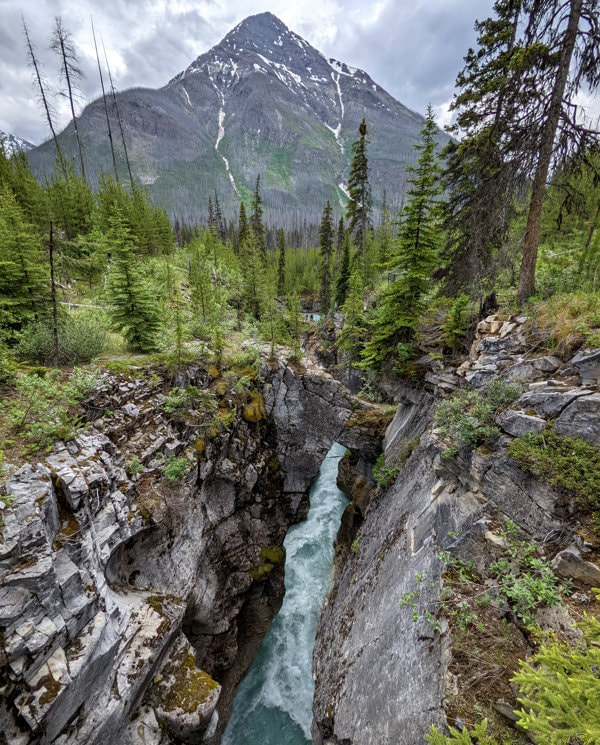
191	686
255	410
567	463
261	571
273	464
272	554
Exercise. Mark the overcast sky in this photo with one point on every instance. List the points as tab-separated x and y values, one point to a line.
413	48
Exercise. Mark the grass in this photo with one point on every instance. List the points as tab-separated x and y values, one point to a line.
565	320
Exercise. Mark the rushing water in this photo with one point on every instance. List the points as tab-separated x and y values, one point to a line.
273	704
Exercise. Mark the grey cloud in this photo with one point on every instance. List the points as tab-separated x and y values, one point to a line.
414	49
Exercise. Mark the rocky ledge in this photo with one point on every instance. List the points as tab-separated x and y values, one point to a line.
388	663
130	604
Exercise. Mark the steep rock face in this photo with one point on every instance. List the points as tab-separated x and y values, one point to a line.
121	594
383	662
262	101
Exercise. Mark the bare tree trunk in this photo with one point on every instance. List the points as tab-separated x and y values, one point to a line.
60	44
110	137
38	75
116	105
53	293
538	191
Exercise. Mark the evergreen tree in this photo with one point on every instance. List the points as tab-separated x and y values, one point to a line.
256	221
565	32
242	227
253	270
480	179
212	225
354	333
23	281
325	253
401	303
133	309
341	236
358	211
281	262
219	222
342	282
384	235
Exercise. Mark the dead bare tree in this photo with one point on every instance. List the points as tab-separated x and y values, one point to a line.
40	84
110	137
116	107
61	42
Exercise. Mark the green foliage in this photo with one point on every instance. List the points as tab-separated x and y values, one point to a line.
568	463
43	409
326	251
81	338
385	473
401	303
560	690
133	309
477	736
354	333
358	210
134	466
456	323
342	282
175	469
466	419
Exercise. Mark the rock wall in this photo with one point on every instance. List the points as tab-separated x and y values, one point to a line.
130	608
383	660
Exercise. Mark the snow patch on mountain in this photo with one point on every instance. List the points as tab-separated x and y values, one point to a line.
13	144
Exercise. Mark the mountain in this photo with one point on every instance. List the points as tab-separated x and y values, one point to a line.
12	144
262	101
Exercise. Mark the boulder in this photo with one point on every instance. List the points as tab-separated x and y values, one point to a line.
569	563
581	419
587	364
517	423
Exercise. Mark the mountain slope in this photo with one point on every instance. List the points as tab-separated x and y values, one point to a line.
262	101
12	144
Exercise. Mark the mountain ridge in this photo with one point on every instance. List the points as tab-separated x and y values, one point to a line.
12	144
262	101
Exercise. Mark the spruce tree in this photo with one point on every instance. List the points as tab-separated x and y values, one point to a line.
281	262
354	333
133	309
253	270
358	211
219	222
384	235
341	236
256	220
242	227
325	254
401	303
342	282
23	280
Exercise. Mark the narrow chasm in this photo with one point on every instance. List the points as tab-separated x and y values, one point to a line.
273	704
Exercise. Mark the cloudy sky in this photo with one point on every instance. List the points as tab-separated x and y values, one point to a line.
413	48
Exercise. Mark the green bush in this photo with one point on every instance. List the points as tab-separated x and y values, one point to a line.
467	418
175	469
7	369
560	690
568	463
81	338
456	324
478	736
386	473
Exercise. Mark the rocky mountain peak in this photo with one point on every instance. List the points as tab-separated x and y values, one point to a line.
12	144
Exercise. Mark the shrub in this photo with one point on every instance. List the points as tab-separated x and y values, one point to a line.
175	469
560	690
386	473
479	736
7	369
467	418
81	337
568	463
134	467
456	324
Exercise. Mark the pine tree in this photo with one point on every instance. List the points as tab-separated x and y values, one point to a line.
133	310
256	221
384	235
401	303
570	32
281	262
219	222
354	333
242	227
253	270
358	211
212	225
23	281
341	236
325	254
342	282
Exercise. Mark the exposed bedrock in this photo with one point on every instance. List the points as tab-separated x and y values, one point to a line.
120	594
383	658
